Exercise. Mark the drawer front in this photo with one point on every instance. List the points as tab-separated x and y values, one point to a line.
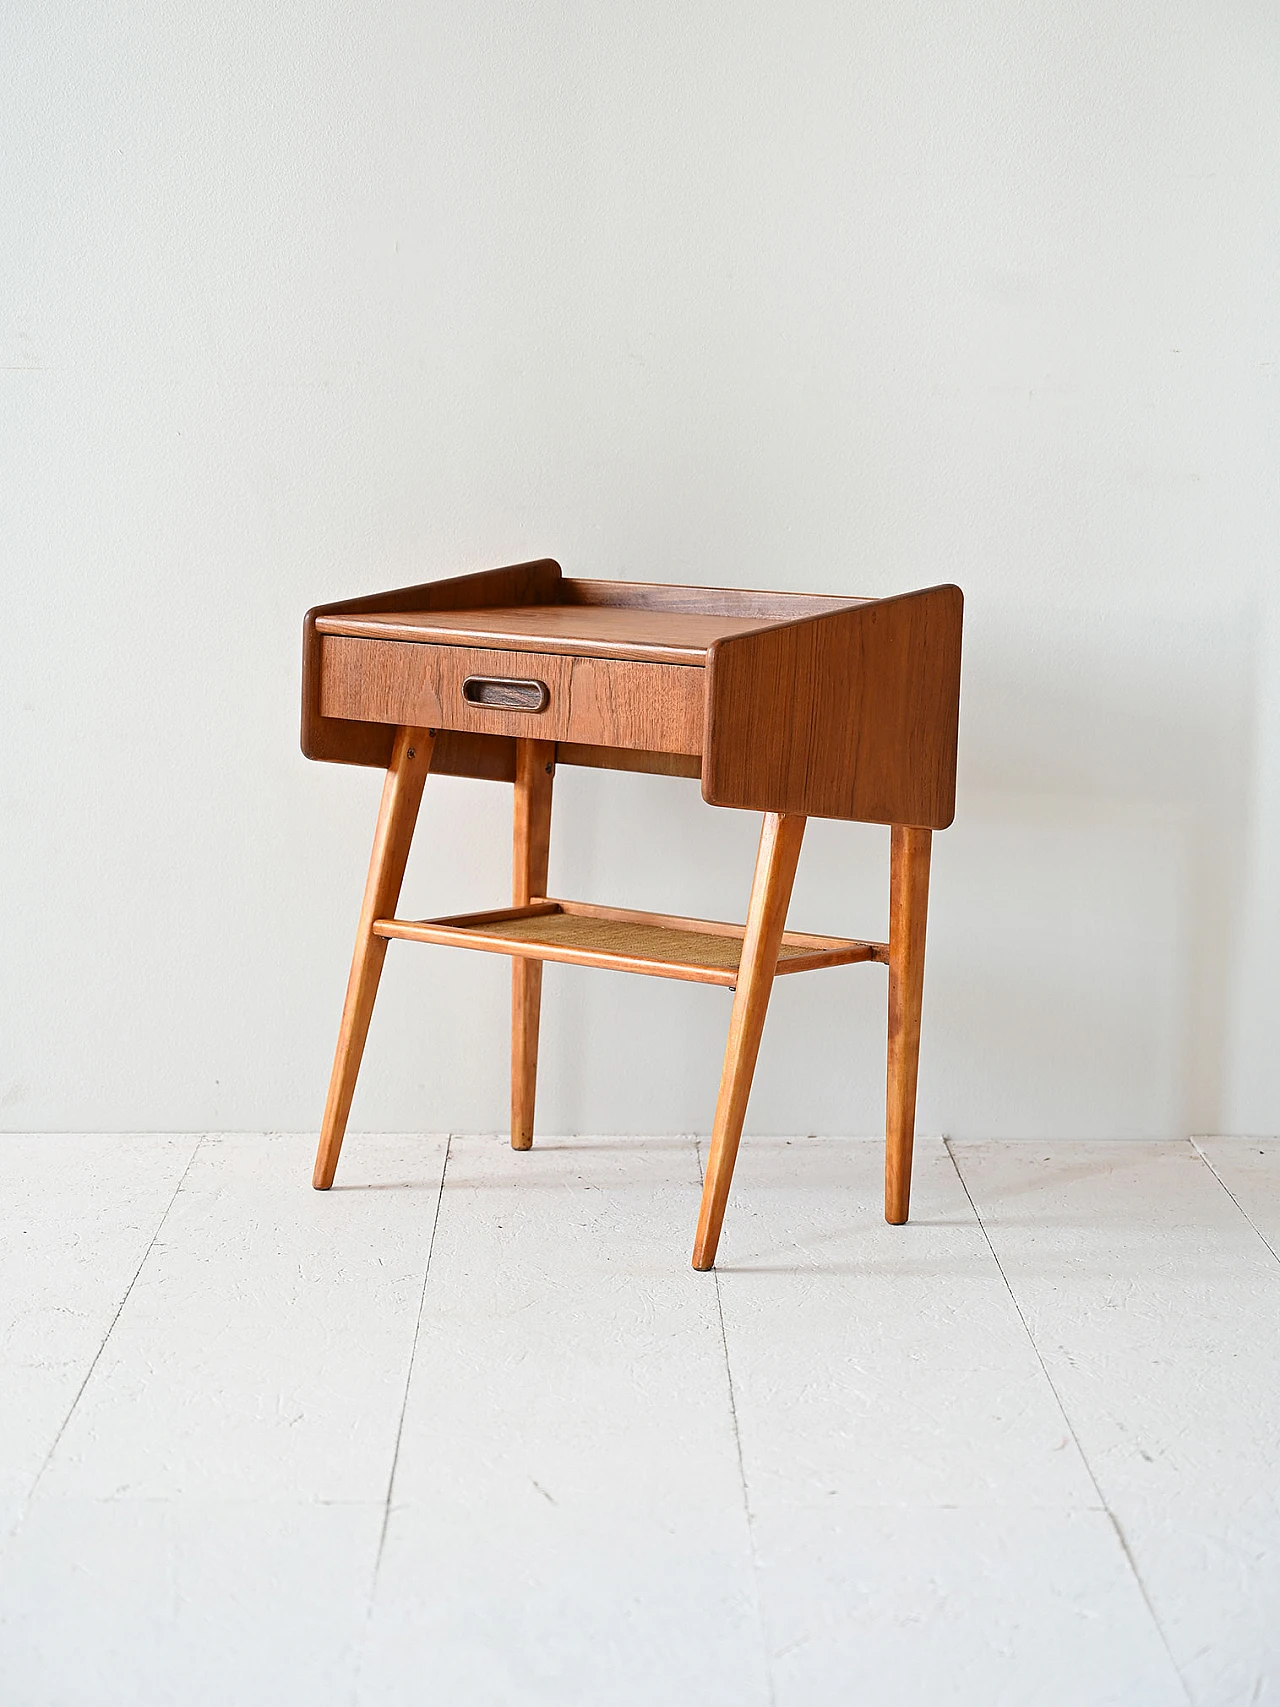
604	702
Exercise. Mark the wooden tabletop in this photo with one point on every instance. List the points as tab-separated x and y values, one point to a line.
660	636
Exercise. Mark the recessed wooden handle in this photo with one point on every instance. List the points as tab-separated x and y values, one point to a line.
506	693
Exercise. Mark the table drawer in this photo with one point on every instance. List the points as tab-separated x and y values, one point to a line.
604	702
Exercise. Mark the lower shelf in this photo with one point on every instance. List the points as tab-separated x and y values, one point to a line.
700	951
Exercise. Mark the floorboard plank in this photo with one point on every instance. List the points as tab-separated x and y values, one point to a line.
77	1213
1154	1305
264	1349
936	1476
878	1364
958	1607
568	1522
140	1603
926	1528
1249	1168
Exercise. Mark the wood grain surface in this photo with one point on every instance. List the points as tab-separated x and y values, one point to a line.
765	606
397	815
909	855
357	743
780	840
849	715
629	759
531	851
657	636
593	701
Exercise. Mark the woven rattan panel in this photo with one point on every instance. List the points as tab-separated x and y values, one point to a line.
643	942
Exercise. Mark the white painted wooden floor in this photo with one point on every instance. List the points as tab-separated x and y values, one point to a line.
468	1430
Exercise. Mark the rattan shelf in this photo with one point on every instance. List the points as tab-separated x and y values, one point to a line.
700	951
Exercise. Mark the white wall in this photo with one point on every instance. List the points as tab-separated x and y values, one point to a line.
307	300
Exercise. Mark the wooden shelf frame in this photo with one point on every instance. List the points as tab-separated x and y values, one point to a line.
620	939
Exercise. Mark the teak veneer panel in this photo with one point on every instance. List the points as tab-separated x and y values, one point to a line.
663	636
819	706
713	601
629	759
535	585
849	715
345	742
601	702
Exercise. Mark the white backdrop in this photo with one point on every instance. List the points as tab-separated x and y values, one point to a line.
307	300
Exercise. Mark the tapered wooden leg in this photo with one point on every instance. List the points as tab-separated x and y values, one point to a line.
780	840
908	905
535	768
401	796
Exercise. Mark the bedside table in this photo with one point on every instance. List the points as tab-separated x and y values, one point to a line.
791	705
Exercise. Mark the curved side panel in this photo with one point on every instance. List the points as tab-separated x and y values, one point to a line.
850	715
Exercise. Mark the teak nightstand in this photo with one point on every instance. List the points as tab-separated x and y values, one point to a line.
782	703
